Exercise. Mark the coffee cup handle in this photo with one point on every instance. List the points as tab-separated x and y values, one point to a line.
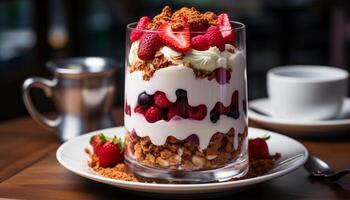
45	85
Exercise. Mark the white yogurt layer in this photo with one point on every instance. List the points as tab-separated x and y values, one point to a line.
199	91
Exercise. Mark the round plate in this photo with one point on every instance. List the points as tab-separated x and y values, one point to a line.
72	156
262	112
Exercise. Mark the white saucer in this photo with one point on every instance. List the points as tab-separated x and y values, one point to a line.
72	156
262	113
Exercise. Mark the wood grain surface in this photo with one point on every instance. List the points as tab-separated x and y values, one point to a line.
29	170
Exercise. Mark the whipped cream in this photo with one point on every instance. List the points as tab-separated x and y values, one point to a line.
199	91
205	60
133	58
171	54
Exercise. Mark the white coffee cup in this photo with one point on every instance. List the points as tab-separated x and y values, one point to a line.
306	92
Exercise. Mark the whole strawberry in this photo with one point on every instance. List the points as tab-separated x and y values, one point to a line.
97	140
258	148
109	150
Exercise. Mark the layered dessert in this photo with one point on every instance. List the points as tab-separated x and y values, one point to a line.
185	91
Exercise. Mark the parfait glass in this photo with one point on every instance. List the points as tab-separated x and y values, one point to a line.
186	124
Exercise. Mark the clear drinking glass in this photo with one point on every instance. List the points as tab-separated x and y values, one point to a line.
183	123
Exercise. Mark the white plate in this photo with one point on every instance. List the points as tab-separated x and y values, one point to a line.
72	156
293	126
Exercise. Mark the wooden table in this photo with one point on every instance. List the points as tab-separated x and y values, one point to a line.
29	170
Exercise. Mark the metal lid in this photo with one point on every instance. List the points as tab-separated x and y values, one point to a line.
82	65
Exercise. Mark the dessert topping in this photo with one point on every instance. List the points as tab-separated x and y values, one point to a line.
179	39
141	25
149	45
225	28
200	43
109	150
215	38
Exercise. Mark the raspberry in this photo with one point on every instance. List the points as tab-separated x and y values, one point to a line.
172	112
161	100
221	109
153	114
138	109
215	38
198	113
258	149
149	45
222	75
141	25
200	43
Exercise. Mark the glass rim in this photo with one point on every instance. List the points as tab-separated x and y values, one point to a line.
132	26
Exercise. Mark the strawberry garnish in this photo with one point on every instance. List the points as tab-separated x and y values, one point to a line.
141	25
215	38
258	148
178	40
149	45
200	43
110	153
226	28
97	140
109	150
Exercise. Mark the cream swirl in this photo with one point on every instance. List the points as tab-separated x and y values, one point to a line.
171	54
207	60
133	58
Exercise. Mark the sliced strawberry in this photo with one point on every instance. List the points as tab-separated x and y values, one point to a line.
141	25
200	43
226	28
149	45
215	38
178	40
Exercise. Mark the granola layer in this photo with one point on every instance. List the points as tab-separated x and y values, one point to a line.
181	155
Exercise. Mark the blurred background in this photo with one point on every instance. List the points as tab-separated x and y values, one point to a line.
278	33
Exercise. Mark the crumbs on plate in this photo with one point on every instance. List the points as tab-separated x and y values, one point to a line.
256	168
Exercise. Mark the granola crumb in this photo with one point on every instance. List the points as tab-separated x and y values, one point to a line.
120	172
